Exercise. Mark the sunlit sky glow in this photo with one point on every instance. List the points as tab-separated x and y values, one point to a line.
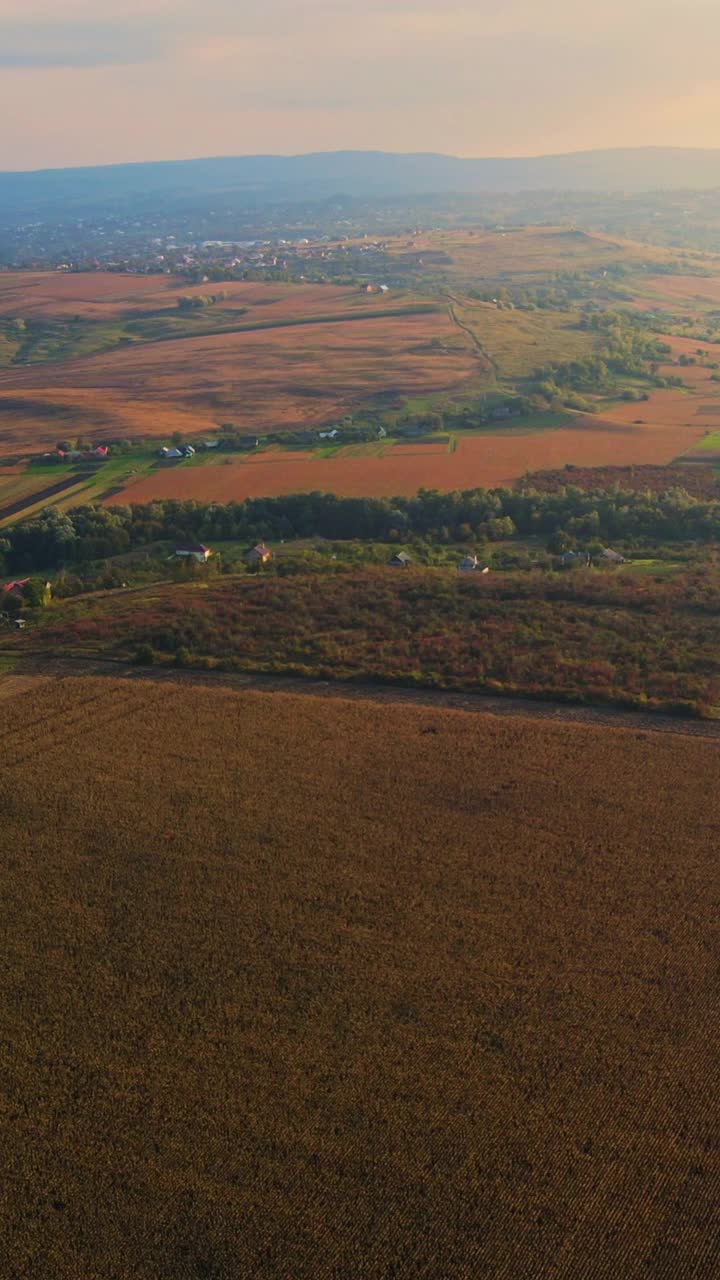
98	81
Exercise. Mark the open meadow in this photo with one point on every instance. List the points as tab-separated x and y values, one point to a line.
304	988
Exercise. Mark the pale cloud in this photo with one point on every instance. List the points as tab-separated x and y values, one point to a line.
94	80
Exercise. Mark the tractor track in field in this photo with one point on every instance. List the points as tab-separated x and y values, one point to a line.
454	302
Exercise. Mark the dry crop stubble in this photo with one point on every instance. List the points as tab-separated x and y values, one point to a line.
318	989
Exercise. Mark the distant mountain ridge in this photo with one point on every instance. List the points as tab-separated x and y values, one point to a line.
354	173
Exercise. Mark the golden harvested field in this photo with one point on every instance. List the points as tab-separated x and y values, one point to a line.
311	990
264	379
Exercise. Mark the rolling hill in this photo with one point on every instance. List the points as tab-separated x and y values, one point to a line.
361	173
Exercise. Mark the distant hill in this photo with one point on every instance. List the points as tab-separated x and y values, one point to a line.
353	173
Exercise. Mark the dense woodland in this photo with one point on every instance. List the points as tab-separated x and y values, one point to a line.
89	533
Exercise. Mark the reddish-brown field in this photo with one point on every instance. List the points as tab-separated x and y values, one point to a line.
262	379
700	481
671	408
106	295
483	461
297	989
55	293
684	289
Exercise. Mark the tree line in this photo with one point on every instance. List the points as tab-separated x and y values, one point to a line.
86	533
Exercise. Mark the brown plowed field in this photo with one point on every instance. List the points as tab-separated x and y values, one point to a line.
478	461
311	989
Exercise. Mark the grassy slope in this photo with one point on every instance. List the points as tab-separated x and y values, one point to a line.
518	342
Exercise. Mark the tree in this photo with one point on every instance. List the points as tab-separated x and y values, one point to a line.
36	593
559	543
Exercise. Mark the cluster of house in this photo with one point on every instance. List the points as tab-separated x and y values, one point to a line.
98	454
468	564
259	554
181	451
607	556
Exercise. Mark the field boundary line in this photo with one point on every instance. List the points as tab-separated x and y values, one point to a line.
71	666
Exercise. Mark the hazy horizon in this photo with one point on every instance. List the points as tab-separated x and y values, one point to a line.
117	81
290	155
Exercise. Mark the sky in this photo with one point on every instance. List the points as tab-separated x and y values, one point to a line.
105	81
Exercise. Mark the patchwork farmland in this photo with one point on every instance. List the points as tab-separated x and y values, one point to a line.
113	357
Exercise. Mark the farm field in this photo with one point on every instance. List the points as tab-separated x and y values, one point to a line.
684	290
266	378
369	1013
486	460
18	482
699	481
707	449
106	295
269	357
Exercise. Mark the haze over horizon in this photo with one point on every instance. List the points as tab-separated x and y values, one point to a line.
112	81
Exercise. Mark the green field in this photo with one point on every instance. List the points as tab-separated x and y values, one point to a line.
518	342
709	443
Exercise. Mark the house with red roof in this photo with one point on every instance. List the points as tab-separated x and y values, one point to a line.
259	554
15	588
